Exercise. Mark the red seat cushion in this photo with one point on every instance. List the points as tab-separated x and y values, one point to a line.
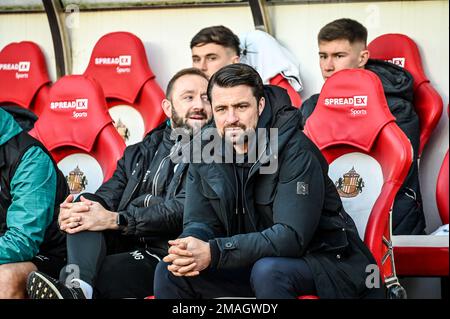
403	51
125	76
75	119
281	81
23	72
74	114
424	255
349	116
442	197
352	118
121	69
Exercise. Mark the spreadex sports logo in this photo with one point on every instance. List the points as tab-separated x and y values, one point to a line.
397	61
123	62
22	68
76	105
356	103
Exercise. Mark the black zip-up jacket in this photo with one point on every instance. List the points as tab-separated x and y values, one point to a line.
294	212
148	189
408	217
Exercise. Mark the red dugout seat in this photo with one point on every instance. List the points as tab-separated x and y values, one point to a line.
427	255
369	158
403	51
79	133
24	79
281	81
119	64
442	191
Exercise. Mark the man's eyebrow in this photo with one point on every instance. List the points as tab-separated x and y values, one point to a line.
240	104
187	91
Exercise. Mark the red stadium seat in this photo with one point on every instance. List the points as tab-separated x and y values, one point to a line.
427	255
119	64
24	79
369	158
442	197
79	133
403	51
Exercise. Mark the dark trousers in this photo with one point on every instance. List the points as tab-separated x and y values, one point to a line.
115	267
269	278
50	265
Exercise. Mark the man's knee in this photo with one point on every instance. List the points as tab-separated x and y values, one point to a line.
263	270
13	278
161	280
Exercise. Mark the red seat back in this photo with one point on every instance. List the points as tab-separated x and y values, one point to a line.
403	51
126	78
23	73
369	155
280	80
442	197
75	120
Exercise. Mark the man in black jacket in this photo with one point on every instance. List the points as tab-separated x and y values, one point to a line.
343	45
276	231
117	235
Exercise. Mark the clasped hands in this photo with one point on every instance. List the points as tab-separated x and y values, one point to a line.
188	256
85	215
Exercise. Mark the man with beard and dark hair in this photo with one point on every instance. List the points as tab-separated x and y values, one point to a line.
343	45
117	236
248	231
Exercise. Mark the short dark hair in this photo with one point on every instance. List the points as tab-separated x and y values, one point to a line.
219	35
237	74
343	29
179	74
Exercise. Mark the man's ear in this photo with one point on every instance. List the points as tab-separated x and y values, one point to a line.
167	108
262	103
363	58
236	59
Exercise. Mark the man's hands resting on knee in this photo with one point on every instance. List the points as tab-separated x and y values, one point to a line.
85	215
188	256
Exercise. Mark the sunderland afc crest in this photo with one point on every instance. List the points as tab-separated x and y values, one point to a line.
350	185
77	181
122	129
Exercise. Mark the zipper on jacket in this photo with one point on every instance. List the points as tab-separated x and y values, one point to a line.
243	192
146	176
135	168
236	183
158	172
245	186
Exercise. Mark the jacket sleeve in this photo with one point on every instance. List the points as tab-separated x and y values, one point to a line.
308	107
33	189
297	208
199	220
160	217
